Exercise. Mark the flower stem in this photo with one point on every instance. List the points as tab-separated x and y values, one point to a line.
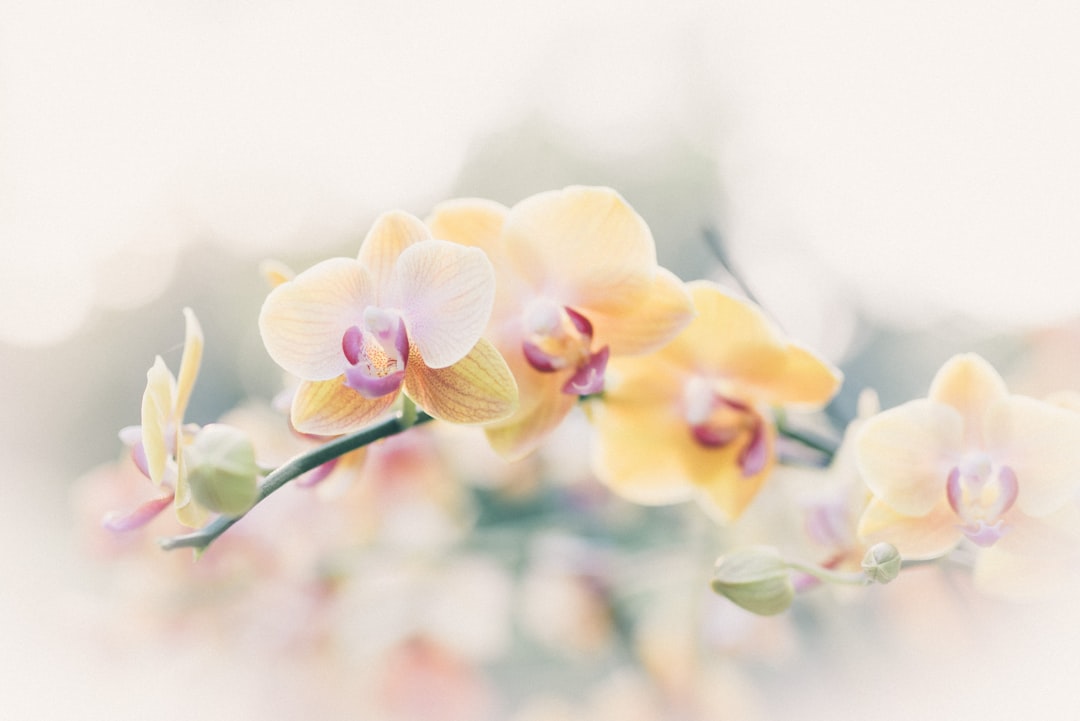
818	443
202	538
855	578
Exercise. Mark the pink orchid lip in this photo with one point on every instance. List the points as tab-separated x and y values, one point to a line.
589	378
361	375
548	323
754	455
984	524
361	380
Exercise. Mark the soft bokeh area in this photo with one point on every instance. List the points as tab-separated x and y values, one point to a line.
896	182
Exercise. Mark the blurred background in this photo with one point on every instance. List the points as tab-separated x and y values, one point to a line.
896	181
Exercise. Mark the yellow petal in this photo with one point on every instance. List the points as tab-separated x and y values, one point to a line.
916	537
329	408
542	407
804	380
635	455
970	385
479	388
1041	442
391	234
303	321
156	415
646	453
730	337
658	318
720	480
470	221
904	454
583	247
189	364
446	292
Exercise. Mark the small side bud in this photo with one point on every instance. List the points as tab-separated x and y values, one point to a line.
756	579
881	563
221	470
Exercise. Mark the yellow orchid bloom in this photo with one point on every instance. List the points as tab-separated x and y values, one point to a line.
578	283
406	314
163	434
974	462
693	418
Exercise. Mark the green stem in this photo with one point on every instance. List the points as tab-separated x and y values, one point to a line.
853	578
823	574
810	440
297	466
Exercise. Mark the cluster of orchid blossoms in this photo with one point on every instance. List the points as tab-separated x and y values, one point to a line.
508	319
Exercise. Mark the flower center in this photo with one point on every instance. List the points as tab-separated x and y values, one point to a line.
376	353
717	421
980	492
558	338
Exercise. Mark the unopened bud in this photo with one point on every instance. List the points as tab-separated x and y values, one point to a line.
881	563
756	579
221	470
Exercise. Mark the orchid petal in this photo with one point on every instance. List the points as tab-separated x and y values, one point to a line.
928	535
584	247
636	454
156	416
445	292
470	221
970	385
479	388
543	406
723	479
388	238
329	407
904	454
189	364
805	380
1041	443
651	323
730	337
274	272
303	321
649	455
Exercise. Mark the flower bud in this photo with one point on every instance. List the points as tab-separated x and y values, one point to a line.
221	469
881	563
757	579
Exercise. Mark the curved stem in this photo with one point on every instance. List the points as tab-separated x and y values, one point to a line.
202	538
823	574
818	443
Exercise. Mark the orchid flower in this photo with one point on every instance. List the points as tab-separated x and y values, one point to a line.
972	462
693	419
578	284
407	314
158	442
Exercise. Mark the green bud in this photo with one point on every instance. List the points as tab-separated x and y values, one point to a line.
757	579
882	562
221	470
